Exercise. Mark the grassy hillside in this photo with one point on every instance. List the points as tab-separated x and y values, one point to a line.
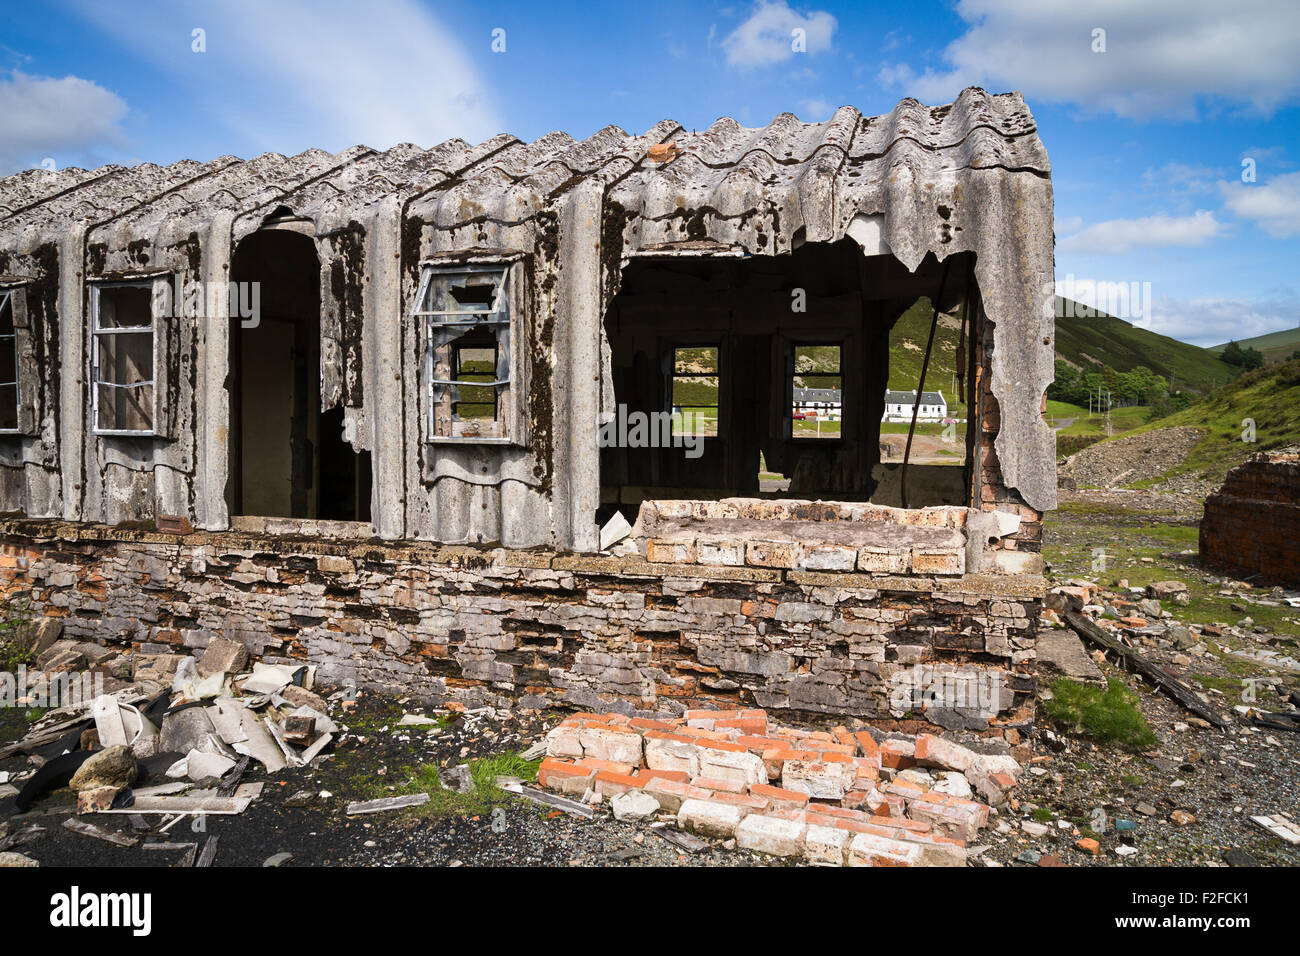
1106	340
1269	396
1275	346
907	349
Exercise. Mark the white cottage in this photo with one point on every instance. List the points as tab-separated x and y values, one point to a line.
899	405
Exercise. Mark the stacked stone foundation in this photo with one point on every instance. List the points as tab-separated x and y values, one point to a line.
617	633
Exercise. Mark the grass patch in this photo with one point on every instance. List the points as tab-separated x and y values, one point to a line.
1042	814
1109	716
425	778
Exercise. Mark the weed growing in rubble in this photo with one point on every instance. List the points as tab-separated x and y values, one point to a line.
1109	716
15	638
426	778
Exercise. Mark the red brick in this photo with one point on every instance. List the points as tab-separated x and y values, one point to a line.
551	768
738	800
641	723
677	776
722	745
610	784
748	725
779	797
595	763
714	783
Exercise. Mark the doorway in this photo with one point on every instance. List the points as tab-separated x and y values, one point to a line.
287	457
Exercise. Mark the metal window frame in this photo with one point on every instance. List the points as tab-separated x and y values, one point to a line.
97	330
497	318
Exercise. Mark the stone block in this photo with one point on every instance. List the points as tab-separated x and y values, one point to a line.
771	835
710	818
826	846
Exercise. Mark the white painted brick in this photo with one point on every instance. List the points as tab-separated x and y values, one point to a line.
771	835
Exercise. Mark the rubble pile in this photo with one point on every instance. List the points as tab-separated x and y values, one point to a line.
176	740
832	798
1140	618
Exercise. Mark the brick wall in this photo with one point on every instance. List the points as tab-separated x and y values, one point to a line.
484	625
1252	523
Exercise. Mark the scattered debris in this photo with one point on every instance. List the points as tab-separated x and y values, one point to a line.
1166	682
1281	826
90	830
387	803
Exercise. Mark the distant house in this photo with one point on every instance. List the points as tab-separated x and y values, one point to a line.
821	403
898	406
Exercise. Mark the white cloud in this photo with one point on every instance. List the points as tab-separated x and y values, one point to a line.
68	120
768	36
815	110
1273	206
1162	57
1180	177
1213	321
1118	236
328	73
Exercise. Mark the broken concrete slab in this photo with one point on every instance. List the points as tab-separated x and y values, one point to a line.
201	766
222	656
1061	651
99	833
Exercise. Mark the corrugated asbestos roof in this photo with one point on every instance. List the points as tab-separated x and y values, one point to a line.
972	176
805	170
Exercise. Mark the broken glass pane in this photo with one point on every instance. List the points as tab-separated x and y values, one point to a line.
125	409
122	307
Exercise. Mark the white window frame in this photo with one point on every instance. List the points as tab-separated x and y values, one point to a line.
151	330
502	318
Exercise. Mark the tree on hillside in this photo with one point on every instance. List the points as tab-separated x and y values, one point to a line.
1247	358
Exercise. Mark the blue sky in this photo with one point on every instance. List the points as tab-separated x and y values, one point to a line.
1147	123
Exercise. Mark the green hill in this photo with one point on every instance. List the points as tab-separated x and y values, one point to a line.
1275	346
1105	340
907	349
1269	397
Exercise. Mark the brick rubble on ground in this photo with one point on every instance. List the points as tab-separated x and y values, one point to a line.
831	798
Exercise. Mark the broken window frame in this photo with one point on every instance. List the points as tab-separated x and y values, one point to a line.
8	306
158	351
673	348
792	354
441	329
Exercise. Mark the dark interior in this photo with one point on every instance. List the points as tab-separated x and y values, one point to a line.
793	351
288	457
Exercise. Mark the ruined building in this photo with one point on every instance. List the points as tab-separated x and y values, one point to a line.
374	410
1252	523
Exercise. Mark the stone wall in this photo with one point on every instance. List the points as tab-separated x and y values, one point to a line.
611	632
1253	522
